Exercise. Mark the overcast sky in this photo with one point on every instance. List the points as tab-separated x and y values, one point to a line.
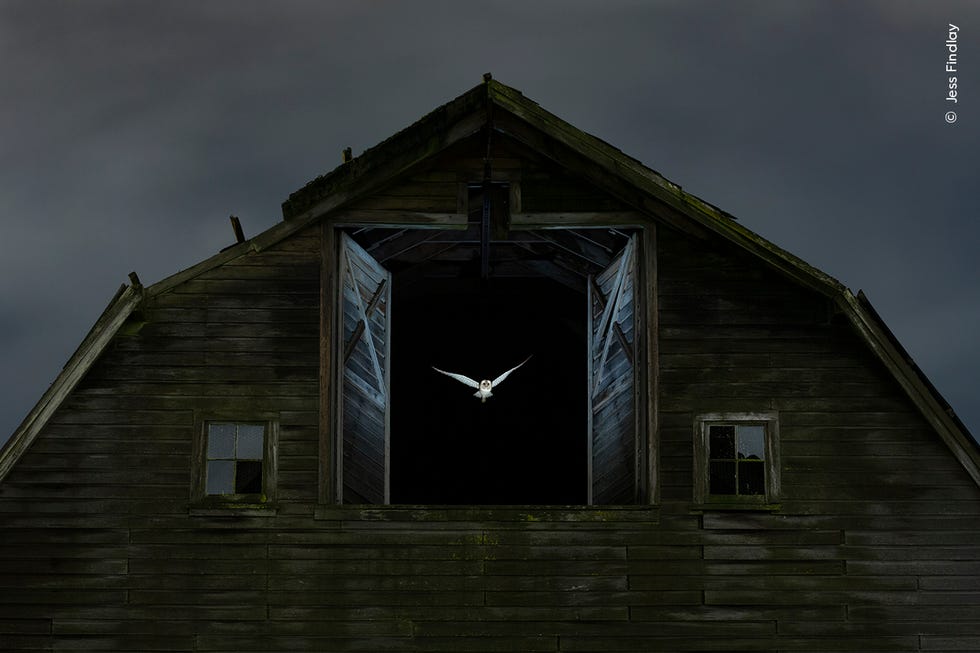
130	130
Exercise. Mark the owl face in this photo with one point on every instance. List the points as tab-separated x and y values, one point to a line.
485	385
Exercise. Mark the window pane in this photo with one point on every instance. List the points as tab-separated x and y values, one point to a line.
751	477
250	440
752	442
248	479
721	442
221	441
221	477
722	477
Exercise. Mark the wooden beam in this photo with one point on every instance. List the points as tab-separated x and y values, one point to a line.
485	229
569	241
236	226
649	344
349	347
328	479
514	197
567	219
597	293
462	198
403	243
398	219
545	252
421	253
624	343
550	270
375	298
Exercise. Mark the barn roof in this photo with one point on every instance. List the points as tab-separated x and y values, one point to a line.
507	111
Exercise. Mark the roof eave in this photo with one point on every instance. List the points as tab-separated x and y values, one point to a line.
115	315
934	408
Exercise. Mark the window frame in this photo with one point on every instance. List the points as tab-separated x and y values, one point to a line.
264	502
702	495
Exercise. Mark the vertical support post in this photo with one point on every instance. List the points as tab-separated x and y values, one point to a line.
487	186
329	465
651	348
485	225
591	289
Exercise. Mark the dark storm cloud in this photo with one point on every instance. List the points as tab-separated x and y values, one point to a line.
131	130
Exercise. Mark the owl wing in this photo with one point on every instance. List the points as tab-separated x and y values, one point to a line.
459	377
503	376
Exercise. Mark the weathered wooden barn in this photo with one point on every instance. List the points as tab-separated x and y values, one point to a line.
714	446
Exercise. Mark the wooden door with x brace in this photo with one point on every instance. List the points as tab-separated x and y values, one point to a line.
365	401
614	450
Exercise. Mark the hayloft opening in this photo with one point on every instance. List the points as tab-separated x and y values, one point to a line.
478	311
527	443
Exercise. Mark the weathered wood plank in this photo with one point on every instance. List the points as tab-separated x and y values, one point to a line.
573	219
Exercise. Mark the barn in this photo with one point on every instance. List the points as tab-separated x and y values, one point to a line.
711	446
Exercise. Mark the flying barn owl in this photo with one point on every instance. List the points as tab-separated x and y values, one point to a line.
483	387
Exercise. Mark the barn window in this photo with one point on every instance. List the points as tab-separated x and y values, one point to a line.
236	462
569	427
235	453
736	459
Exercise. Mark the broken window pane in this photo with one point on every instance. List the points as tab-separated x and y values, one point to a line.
751	477
248	477
722	442
722	477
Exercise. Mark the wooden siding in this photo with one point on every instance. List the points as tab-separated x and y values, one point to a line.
876	517
490	580
241	338
875	546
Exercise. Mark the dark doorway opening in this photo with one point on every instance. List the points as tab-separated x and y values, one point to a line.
527	444
477	303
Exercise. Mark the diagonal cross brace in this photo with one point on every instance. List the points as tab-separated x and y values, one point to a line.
363	324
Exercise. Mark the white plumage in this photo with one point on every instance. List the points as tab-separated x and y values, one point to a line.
483	387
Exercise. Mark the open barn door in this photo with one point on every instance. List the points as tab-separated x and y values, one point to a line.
613	442
364	349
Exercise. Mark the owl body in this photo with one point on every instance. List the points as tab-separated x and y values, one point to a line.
484	387
484	392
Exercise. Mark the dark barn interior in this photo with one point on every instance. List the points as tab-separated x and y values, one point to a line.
527	444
